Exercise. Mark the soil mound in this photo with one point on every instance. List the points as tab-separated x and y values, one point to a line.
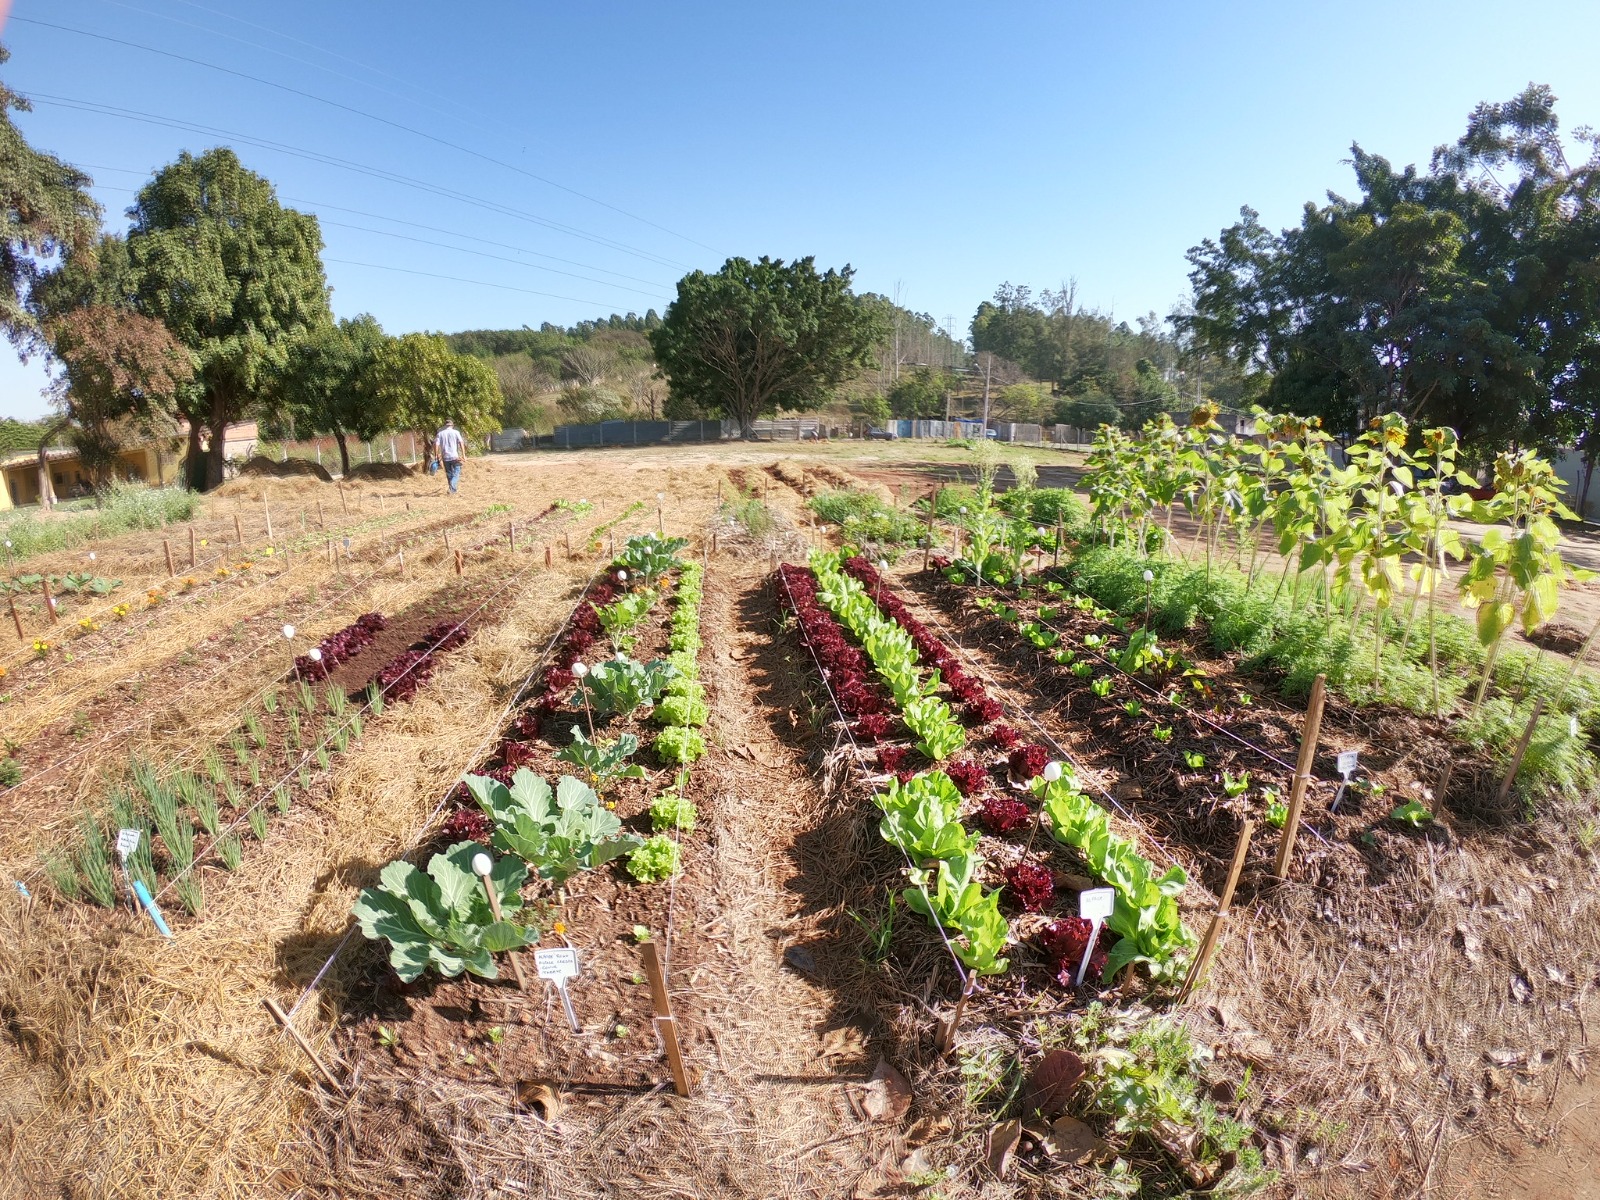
380	471
289	468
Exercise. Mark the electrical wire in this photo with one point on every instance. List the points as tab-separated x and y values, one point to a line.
294	91
112	110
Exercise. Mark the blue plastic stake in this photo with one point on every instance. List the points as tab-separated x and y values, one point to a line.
146	899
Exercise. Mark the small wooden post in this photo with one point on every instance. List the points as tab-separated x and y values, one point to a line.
933	504
947	1029
568	537
342	499
713	541
266	510
1302	776
719	491
1208	944
613	545
166	546
511	536
321	521
330	550
283	1019
458	562
547	554
661	526
16	620
1057	562
447	539
1522	749
238	530
191	548
494	907
666	1023
49	600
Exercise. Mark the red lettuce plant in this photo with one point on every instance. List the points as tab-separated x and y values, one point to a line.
1004	736
1027	762
968	776
1029	887
891	757
1001	813
340	647
982	710
1064	942
466	824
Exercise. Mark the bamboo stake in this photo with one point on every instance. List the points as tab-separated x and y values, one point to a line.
494	907
1208	944
511	536
166	546
238	530
458	562
1522	748
49	600
666	1023
266	510
947	1029
1302	776
283	1019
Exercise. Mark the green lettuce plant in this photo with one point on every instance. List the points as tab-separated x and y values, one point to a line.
654	860
920	816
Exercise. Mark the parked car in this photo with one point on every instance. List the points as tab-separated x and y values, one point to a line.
882	435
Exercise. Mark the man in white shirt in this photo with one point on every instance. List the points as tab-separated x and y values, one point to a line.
451	448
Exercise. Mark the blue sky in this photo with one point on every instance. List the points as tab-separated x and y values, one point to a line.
940	148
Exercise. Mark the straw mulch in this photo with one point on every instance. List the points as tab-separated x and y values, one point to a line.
162	1049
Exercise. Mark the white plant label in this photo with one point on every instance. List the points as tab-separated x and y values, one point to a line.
1347	762
127	843
1094	906
557	965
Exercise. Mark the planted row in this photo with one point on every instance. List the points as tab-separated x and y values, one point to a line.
683	711
339	647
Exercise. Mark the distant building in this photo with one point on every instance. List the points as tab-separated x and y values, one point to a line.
141	464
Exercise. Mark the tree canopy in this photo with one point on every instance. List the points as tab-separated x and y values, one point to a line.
1463	296
326	385
422	383
759	337
234	275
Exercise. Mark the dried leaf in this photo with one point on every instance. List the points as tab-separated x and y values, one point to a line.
887	1096
1051	1085
928	1129
540	1097
1075	1142
1001	1145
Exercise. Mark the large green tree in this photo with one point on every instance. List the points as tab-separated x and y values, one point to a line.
759	337
423	383
326	385
235	276
48	211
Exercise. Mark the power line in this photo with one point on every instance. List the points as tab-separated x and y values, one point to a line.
458	249
128	114
294	91
458	279
318	205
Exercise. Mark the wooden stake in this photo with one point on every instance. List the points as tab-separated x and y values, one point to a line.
1058	541
266	510
511	536
321	521
947	1029
283	1019
16	620
494	907
1208	944
191	548
238	530
447	539
1522	748
568	537
661	527
166	546
342	499
1302	776
547	554
458	562
933	504
713	542
49	601
666	1024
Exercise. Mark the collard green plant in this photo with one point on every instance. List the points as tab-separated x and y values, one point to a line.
442	919
557	832
602	761
650	555
621	685
622	616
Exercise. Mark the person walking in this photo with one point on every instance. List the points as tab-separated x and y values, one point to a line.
451	448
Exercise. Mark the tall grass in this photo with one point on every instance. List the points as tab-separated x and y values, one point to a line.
118	509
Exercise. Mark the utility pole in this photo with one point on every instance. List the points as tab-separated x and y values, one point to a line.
988	366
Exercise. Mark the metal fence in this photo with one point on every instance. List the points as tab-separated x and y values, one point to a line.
635	433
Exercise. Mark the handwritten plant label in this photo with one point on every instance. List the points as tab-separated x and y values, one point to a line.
1347	762
127	842
1094	906
557	965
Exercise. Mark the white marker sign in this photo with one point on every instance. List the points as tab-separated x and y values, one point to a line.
1347	762
1094	906
559	965
127	843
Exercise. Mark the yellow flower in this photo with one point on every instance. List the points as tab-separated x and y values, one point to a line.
157	595
119	611
88	624
243	565
205	541
2	672
40	646
559	928
223	572
268	551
